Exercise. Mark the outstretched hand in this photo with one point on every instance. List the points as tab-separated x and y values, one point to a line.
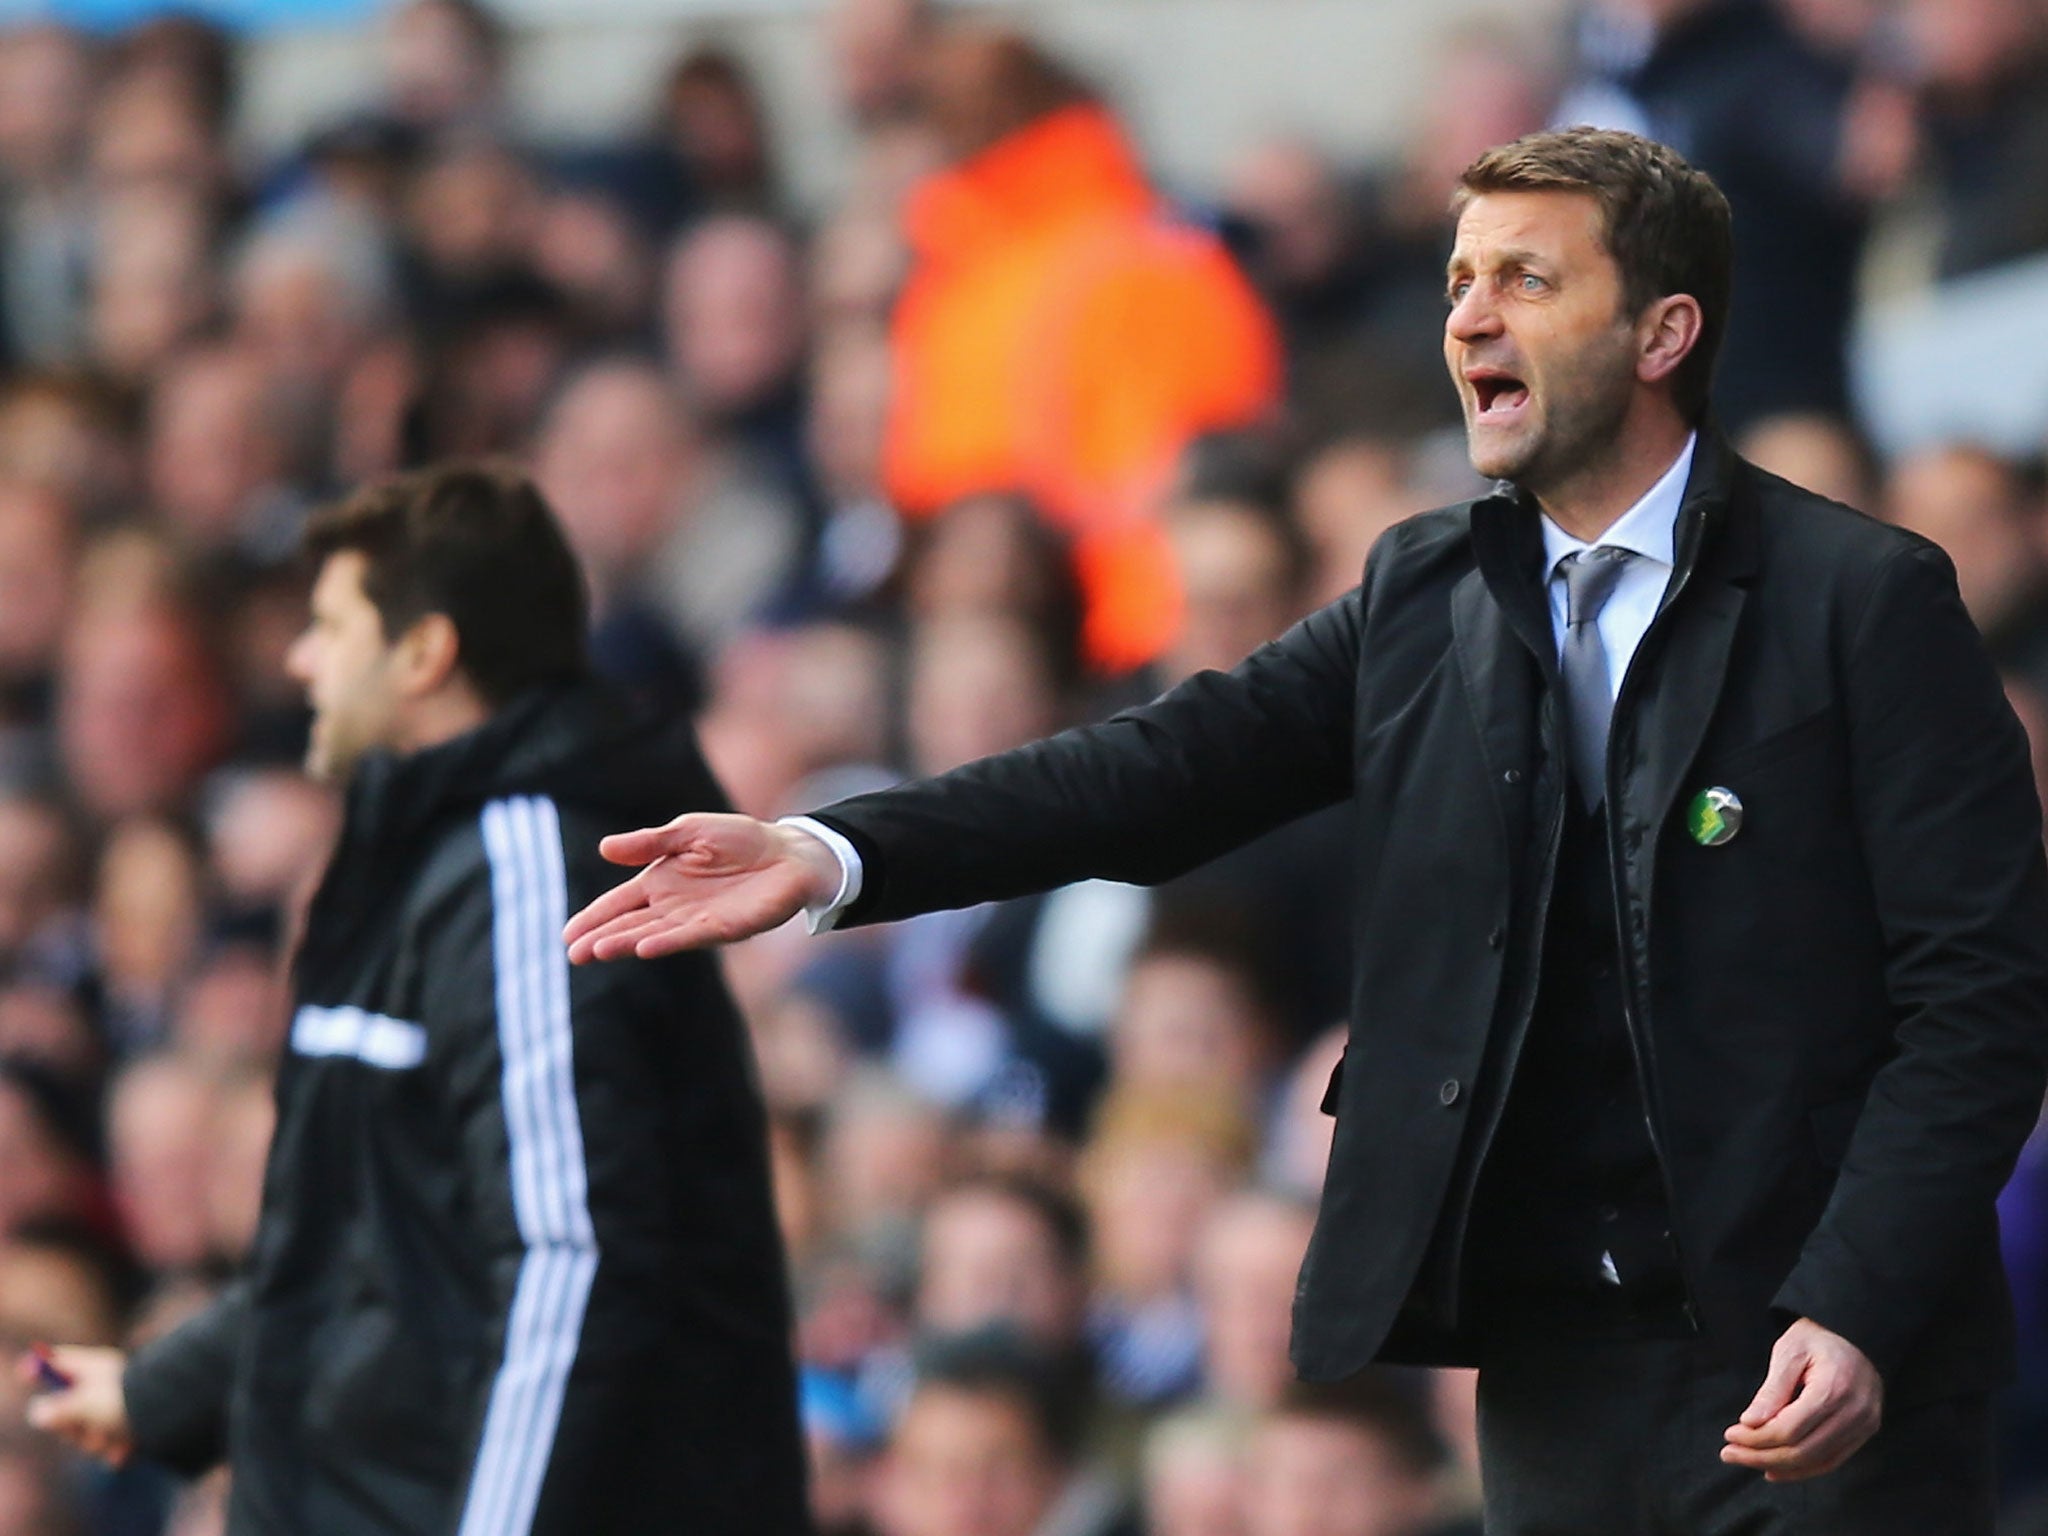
1820	1401
706	879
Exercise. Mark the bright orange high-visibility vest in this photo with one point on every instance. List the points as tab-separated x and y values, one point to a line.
1062	337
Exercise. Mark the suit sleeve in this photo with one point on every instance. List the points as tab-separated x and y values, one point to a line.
177	1388
1142	797
1951	833
620	1204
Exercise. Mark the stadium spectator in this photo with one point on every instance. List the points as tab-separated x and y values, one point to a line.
231	1010
1246	1261
46	1172
886	1153
39	881
1192	1473
998	1250
618	458
1241	568
1047	280
989	1443
141	712
876	47
1298	1145
44	1025
1819	453
444	64
1346	493
148	922
1155	1166
152	290
1195	1016
46	79
1977	508
162	1116
711	114
220	452
1983	70
1359	1459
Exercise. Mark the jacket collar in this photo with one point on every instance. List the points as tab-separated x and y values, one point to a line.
1716	528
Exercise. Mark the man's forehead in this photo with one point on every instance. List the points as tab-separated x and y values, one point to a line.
1559	224
340	578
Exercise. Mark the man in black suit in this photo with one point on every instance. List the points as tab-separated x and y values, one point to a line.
1701	935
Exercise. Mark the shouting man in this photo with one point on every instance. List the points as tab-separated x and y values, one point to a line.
1701	926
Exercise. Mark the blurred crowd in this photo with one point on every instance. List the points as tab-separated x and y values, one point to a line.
1003	437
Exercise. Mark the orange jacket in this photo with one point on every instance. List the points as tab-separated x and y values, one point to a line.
1060	336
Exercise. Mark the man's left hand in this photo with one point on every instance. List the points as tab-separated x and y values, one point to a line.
1820	1401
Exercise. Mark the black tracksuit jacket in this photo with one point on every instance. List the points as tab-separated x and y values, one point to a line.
517	1269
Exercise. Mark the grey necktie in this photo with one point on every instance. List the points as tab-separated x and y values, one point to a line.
1590	577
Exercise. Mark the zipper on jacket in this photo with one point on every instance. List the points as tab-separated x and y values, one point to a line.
1638	1038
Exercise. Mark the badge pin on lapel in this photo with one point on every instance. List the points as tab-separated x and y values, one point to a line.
1714	817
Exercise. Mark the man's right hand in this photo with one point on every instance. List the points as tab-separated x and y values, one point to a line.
706	879
91	1413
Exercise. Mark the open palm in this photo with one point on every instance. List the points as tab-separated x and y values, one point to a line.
706	879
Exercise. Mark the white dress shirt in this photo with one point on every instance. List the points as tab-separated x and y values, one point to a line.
1649	528
821	916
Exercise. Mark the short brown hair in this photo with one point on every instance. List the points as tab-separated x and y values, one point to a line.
1666	225
477	543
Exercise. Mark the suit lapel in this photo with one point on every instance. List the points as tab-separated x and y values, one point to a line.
1500	636
1685	656
1678	698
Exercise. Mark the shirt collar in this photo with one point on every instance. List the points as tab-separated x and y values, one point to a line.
1649	528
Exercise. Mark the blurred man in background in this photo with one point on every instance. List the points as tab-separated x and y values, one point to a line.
516	1267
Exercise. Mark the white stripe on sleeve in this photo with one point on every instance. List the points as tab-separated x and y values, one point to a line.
550	1185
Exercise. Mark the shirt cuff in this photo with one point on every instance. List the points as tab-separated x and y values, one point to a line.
823	917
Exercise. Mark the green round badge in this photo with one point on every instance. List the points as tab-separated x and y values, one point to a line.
1714	817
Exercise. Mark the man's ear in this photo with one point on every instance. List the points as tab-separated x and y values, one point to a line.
1666	334
428	655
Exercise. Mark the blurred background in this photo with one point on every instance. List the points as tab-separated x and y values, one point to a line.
913	381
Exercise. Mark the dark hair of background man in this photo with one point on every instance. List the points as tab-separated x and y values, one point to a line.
477	543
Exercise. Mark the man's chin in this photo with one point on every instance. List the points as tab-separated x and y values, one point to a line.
1497	455
322	766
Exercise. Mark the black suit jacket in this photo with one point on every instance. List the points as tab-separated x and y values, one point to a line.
1841	1015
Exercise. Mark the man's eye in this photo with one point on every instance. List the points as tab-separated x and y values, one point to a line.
1531	283
1456	292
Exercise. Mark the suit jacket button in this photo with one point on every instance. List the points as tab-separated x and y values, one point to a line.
1448	1094
1496	938
1512	776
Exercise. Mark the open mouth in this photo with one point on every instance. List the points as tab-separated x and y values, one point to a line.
1497	394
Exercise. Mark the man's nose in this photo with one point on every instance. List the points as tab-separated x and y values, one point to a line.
1473	316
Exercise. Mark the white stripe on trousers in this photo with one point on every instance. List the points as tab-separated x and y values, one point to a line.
550	1186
